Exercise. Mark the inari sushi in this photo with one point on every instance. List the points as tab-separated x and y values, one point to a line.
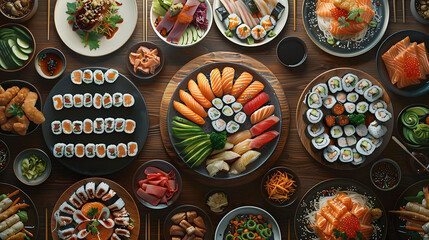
56	127
79	150
117	99
227	79
240	165
205	87
132	149
109	125
90	150
243	31
59	150
67	126
130	126
119	124
241	84
107	100
263	139
87	76
262	114
122	150
111	151
98	126
68	100
76	77
87	126
192	103
219	125
256	103
57	100
111	75
78	100
98	77
128	100
188	113
239	137
218	103
216	80
100	150
242	147
97	101
87	100
250	92
77	127
198	95
232	127
69	150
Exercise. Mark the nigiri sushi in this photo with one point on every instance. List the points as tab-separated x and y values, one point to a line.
192	104
205	88
264	125
261	114
250	92
239	137
57	100
261	140
227	79
116	205
241	84
197	94
242	147
66	208
240	165
188	113
75	200
215	78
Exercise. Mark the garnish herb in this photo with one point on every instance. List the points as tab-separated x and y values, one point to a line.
15	110
372	24
92	212
353	15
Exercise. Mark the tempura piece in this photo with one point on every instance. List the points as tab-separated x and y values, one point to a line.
7	96
21	126
18	100
30	110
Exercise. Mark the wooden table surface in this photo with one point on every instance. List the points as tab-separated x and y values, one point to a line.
293	82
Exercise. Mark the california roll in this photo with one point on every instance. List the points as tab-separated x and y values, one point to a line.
379	104
362	86
362	107
237	107
69	150
357	157
87	100
346	155
119	124
321	141
334	84
352	97
315	130
232	127
232	22
314	115
373	93
383	115
98	125
314	100
68	100
56	127
213	113
365	147
59	150
336	132
219	125
349	82
227	111
111	75
78	100
107	100
349	130
350	107
111	151
109	125
331	153
77	127
329	102
217	102
341	97
240	117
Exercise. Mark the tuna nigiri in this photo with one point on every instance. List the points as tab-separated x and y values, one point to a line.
241	84
192	104
227	79
256	103
250	92
205	88
263	139
261	114
264	125
239	137
188	113
216	80
197	94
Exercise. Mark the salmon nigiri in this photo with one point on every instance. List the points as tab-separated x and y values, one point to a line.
241	84
261	114
250	92
216	80
205	88
237	138
198	95
192	104
188	113
227	79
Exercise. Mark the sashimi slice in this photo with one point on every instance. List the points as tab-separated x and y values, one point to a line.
188	113
338	208
352	29
324	9
228	6
403	44
205	88
155	190
227	79
237	138
262	114
241	84
321	222
197	94
345	199
326	213
216	79
263	7
184	18
364	2
192	103
423	57
250	92
366	231
263	139
168	22
388	59
256	103
368	14
245	14
148	198
264	125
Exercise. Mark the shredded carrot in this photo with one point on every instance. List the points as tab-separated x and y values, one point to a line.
280	186
411	220
15	202
418	229
13	193
87	36
28	233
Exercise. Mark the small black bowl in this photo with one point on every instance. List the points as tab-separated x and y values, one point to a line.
213	191
292	42
400	126
294	196
139	74
416	15
7	158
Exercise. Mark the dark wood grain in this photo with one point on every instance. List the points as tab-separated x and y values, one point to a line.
293	83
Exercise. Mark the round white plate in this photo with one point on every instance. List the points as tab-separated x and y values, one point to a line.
277	29
128	11
154	16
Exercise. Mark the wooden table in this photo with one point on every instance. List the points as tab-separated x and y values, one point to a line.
293	81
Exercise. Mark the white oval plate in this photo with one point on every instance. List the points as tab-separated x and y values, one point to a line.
128	11
277	29
154	16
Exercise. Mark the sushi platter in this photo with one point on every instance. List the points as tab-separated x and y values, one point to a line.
338	131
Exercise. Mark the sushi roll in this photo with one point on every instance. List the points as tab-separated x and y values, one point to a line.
379	104
66	208
336	132
373	93
87	126
382	115
100	150
343	120
130	126
56	127
98	126
342	142
119	124
111	151
338	109
341	97
90	190
237	107
314	115
57	100
278	10
330	120
79	150
98	101
232	22
122	150
87	100
219	125
87	76
101	189
357	157
77	127
109	125
78	100
365	147
67	126
331	153
349	130
66	232
321	89
59	150
227	111
98	77
352	97
221	13
258	32
132	149
346	155
218	103
315	130
268	22
107	100
228	99
128	100
81	193
240	117
109	196
376	141
117	205
90	150
75	200
314	100
111	75
232	127
376	130
68	100
243	31
361	130
321	141
362	107
362	86
117	99
351	140
350	107
76	77
329	102
334	84
349	81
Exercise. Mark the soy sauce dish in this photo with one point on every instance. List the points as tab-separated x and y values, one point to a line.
385	174
50	63
4	156
291	52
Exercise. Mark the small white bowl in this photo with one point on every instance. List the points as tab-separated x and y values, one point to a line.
26	154
50	50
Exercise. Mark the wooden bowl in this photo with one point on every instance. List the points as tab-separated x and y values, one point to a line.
138	74
294	196
24	18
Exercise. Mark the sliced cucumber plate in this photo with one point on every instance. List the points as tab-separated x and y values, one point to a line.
191	35
15	47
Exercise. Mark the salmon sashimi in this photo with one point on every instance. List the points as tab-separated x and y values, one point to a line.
261	140
326	213
338	208
205	88
364	2
227	79
349	30
362	213
103	232
402	45
188	113
256	103
192	104
237	138
198	95
250	92
262	114
321	222
241	84
324	9
216	81
368	14
423	57
345	199
366	231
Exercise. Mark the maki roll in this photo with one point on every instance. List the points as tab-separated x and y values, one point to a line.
376	130
278	10
314	100
232	22
351	140
87	126
343	120
128	100
350	107
111	75
90	190
379	104
321	89
130	126
122	150
346	155
349	130
334	84
321	141
228	99
101	189
77	127
59	150
258	32
117	99
373	93
117	205
119	124
109	125
365	147
330	120
237	107
315	130
132	149
68	100
219	125
240	117
67	126
314	115
98	77
338	109
329	102
227	111
56	127
268	22
336	132
362	86
57	100
221	13
232	127
100	150
80	192
362	107
111	151
217	102
252	6
383	115
87	100
79	150
98	125
352	97
213	113
243	31
361	130
331	153
97	101
349	82
342	142
87	76
90	150
76	77
376	141
357	157
341	97
78	100
107	100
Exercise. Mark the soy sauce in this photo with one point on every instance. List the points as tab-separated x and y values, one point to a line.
291	52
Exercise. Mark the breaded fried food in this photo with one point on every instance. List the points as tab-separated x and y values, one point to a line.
8	126
18	100
3	117
8	95
30	110
21	126
1	89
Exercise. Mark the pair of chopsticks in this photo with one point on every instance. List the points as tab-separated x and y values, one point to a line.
49	16
406	150
403	11
144	20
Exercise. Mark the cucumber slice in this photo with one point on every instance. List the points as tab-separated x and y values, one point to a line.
201	33
181	40
17	52
194	33
21	32
11	42
6	54
27	50
17	61
8	36
185	38
190	37
22	44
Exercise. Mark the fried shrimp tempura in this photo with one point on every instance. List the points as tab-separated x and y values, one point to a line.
21	126
30	110
7	96
18	100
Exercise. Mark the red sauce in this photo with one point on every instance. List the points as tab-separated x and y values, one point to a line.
51	64
385	175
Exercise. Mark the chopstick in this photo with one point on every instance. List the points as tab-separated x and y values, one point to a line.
403	11
288	229
145	25
49	16
145	227
159	229
46	220
294	15
394	11
406	150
